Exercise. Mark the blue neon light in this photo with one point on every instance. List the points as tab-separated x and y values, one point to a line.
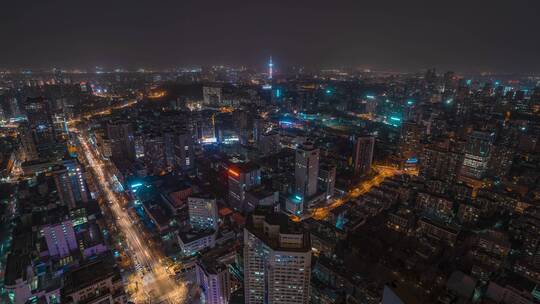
395	118
137	185
370	97
412	160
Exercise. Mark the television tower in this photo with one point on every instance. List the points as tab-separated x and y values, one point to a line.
270	68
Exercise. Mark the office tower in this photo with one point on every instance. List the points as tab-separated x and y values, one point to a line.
154	152
203	126
213	278
440	164
184	154
258	130
60	125
203	213
411	133
178	149
212	95
477	154
306	170
363	154
120	134
269	143
60	238
138	143
242	177
69	180
277	260
327	179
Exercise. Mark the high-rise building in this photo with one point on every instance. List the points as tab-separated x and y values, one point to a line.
212	95
155	159
27	144
60	239
120	134
277	260
39	115
69	180
501	160
327	179
203	213
306	170
363	154
440	164
184	155
477	154
241	178
411	133
269	143
213	278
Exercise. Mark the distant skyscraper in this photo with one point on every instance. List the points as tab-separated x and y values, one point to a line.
270	69
477	154
306	170
363	154
212	95
203	213
69	180
277	260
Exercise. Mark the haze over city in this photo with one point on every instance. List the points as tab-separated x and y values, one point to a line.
465	36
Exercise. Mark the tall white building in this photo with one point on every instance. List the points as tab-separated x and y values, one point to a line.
306	170
203	213
277	260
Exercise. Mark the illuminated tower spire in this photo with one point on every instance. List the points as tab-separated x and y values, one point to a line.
270	68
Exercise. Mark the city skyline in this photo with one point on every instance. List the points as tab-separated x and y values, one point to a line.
395	35
270	152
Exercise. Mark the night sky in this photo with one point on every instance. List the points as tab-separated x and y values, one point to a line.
473	35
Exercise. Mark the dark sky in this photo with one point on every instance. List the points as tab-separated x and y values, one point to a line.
472	35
